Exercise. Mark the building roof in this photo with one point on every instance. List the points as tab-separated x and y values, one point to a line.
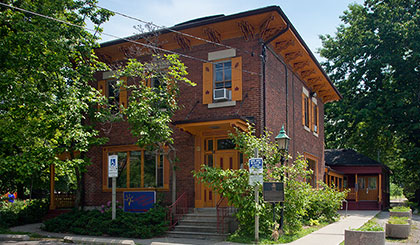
348	157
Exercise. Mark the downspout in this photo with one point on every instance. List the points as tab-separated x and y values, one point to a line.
263	58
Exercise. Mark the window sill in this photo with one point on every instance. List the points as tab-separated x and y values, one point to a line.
221	104
316	134
306	128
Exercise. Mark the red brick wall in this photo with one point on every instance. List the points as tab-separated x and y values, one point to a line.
302	141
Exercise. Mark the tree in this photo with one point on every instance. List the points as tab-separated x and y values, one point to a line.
44	89
374	60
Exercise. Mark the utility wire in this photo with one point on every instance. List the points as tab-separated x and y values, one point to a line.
114	36
175	31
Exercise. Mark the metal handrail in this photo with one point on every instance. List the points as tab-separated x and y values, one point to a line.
177	210
222	213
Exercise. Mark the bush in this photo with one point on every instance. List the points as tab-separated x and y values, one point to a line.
22	212
96	223
400	209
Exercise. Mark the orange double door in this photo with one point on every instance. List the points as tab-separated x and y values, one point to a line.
219	153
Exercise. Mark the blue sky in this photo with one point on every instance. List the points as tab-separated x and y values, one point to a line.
311	18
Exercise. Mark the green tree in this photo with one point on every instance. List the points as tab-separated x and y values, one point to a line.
374	60
45	96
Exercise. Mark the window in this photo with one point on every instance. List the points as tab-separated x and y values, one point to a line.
116	96
137	168
306	111
222	80
372	183
315	115
223	75
312	165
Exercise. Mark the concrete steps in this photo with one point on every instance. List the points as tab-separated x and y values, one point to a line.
201	223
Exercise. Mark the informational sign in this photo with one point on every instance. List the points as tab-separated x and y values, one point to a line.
255	179
273	191
113	166
139	201
256	171
255	166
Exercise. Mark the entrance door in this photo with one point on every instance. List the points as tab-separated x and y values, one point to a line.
219	153
368	188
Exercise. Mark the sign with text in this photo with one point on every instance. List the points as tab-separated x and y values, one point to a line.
255	165
113	166
139	201
255	179
273	191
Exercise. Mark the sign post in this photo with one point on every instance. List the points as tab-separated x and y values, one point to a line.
256	178
113	173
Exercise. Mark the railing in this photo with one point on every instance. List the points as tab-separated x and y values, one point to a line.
223	212
64	200
177	210
351	195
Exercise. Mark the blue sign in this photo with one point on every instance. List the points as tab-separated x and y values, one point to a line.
256	163
139	201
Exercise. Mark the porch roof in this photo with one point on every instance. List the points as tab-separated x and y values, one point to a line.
197	127
350	158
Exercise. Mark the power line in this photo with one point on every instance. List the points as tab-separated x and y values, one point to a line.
114	36
174	31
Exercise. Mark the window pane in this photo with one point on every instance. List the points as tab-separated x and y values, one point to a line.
219	76
219	66
225	144
361	183
160	171
149	169
219	85
372	183
228	84
135	169
122	170
210	145
228	74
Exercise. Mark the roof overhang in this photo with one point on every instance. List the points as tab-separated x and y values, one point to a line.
200	127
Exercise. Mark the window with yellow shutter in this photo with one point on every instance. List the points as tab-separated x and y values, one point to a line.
116	95
222	81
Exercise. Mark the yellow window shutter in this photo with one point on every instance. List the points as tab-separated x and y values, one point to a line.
237	79
317	119
207	83
123	93
303	109
102	87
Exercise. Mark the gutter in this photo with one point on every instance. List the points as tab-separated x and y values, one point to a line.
263	60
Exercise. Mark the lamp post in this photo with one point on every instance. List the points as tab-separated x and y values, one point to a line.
283	145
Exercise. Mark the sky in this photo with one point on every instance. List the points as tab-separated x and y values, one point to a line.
310	18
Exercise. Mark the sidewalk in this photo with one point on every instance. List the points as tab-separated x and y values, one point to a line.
331	234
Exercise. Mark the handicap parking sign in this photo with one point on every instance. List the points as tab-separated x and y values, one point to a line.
255	166
113	166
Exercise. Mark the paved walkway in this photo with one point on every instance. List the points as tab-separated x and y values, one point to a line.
331	234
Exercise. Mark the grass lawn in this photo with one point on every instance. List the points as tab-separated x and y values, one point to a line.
282	239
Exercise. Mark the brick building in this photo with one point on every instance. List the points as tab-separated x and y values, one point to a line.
264	74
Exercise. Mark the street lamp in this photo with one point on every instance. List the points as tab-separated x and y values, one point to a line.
283	145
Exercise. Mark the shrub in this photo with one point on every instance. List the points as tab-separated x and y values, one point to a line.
371	225
400	209
23	212
99	222
398	220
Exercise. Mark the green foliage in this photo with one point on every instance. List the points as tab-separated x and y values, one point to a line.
22	212
96	223
371	225
396	191
398	220
374	60
150	108
400	209
301	201
44	89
